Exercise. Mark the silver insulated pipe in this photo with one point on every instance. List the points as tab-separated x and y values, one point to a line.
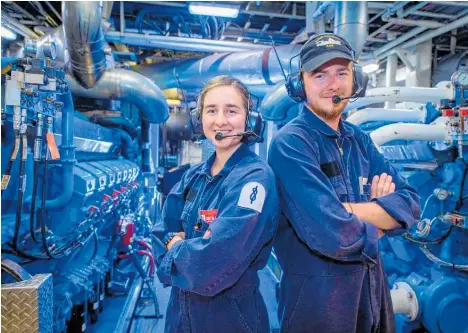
351	23
84	40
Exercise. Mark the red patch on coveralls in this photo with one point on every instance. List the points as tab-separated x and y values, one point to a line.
209	215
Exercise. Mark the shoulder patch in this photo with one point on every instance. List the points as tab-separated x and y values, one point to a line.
252	196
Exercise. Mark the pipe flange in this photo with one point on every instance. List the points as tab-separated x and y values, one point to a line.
412	299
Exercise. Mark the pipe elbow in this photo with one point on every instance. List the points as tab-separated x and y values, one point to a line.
144	94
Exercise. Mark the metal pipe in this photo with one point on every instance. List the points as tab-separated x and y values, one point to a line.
180	43
321	10
443	90
67	154
422	23
381	53
84	40
351	23
276	103
393	115
390	76
389	48
15	30
53	10
434	33
434	15
403	131
107	9
405	60
259	70
452	3
23	11
122	18
15	23
405	300
118	122
128	86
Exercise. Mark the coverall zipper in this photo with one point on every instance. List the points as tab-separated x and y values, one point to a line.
343	166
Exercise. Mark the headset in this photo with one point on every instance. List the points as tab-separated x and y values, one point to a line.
295	84
254	124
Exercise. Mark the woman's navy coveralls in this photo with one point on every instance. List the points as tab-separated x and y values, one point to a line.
333	279
215	281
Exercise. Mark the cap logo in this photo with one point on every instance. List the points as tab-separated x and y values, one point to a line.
330	42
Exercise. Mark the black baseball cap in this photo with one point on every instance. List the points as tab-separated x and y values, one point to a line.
323	48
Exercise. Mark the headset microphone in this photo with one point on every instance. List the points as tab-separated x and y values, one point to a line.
337	99
220	136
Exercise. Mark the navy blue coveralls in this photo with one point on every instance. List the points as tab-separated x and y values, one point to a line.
215	281
333	279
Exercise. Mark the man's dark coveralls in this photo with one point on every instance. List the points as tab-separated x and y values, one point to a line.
215	285
333	279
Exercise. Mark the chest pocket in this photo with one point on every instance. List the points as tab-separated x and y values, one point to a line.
333	172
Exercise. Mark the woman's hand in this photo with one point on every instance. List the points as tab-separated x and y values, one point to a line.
175	239
207	234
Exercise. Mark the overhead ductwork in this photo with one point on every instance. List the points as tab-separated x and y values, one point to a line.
259	70
84	40
127	86
351	23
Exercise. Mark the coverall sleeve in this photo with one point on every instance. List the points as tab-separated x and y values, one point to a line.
312	206
208	266
403	204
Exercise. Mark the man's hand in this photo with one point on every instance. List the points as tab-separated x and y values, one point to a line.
382	185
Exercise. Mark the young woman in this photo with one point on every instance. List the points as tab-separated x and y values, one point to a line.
218	225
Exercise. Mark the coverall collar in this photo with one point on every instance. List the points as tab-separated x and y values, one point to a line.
235	158
312	119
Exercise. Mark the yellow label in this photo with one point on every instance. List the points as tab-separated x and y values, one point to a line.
5	181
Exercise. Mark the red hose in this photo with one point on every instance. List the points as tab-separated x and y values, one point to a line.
146	253
144	244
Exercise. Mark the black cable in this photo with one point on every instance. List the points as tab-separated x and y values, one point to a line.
96	245
22	184
13	155
462	187
32	224
43	209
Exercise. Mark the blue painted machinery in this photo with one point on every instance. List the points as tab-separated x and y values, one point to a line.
427	267
73	205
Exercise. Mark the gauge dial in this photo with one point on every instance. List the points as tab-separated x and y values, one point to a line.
460	79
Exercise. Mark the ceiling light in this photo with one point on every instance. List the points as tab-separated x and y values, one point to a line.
197	8
8	34
370	68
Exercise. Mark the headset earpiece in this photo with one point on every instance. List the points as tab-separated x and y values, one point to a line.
360	80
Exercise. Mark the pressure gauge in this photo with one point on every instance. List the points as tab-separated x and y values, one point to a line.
50	50
460	79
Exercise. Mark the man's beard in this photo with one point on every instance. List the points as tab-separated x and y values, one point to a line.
327	113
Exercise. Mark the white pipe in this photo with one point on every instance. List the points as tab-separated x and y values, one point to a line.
404	300
443	90
394	115
403	131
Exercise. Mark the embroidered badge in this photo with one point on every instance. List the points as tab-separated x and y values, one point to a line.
330	42
209	215
252	196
